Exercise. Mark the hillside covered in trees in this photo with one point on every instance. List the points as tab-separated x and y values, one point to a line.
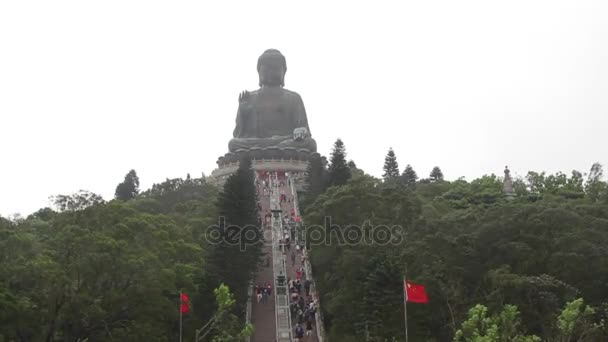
90	270
528	269
532	268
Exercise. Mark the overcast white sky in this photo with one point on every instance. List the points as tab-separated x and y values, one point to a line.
91	89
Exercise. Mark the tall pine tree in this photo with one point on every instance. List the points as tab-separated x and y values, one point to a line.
339	172
233	260
315	178
129	188
409	176
436	174
391	167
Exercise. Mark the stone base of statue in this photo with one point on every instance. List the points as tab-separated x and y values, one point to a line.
267	153
271	159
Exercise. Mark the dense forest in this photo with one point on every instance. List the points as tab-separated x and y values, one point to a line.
527	269
91	270
530	268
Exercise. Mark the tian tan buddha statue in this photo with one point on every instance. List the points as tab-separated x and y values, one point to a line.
271	116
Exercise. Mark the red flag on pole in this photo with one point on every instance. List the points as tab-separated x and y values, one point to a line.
185	303
415	293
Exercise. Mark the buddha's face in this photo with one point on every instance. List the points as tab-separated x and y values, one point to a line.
272	72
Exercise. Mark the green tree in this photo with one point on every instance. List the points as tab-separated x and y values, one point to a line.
77	201
409	176
367	203
234	259
594	187
504	327
339	172
536	182
190	197
465	233
224	325
575	323
107	263
436	174
575	182
520	187
391	167
315	178
108	271
129	188
383	297
354	170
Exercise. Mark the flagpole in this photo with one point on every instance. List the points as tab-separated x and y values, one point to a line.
405	302
180	315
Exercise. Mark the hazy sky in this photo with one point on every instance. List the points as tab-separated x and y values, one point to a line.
92	89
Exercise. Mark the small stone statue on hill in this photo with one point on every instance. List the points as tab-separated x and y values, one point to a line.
508	184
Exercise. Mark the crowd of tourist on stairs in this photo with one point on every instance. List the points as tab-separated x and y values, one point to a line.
302	305
303	308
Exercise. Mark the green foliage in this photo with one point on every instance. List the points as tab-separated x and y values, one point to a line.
339	172
542	184
224	325
354	170
316	181
391	167
129	188
235	264
436	174
109	264
575	323
104	271
409	176
91	270
468	245
369	304
504	327
594	187
77	201
186	198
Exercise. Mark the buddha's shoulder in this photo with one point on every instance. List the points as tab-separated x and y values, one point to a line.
292	94
282	91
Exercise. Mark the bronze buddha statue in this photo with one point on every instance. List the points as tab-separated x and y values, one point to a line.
271	116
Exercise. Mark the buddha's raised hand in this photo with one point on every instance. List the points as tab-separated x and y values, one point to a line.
244	96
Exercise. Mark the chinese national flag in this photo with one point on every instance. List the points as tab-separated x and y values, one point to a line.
185	303
415	293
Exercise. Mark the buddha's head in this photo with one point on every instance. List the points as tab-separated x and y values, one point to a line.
271	68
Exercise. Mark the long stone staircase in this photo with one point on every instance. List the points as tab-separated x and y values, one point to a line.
273	321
